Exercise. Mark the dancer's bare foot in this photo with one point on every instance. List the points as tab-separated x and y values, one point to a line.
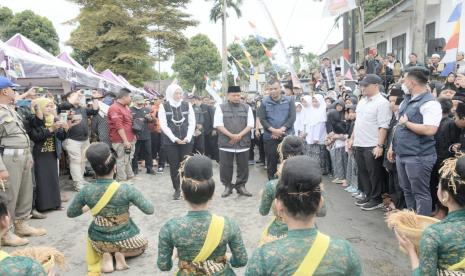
107	263
120	261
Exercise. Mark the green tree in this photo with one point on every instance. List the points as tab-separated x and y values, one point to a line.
313	60
216	12
201	56
118	34
6	15
256	51
35	27
375	7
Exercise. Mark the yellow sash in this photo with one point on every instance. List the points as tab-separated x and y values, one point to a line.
3	255
214	234
458	266
314	256
93	258
265	232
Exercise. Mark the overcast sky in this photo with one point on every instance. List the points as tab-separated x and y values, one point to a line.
300	22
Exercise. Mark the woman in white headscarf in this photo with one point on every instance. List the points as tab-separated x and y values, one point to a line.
299	116
177	123
315	130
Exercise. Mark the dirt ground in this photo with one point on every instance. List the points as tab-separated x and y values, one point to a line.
367	231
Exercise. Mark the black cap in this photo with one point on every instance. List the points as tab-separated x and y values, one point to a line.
396	90
370	79
234	89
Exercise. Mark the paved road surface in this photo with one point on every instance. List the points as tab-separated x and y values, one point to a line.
365	230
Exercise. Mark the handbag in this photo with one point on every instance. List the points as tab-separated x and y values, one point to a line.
137	125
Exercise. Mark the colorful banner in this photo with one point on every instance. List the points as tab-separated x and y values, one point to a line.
337	7
452	44
212	87
248	56
268	53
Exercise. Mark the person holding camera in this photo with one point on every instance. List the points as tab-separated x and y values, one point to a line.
77	140
122	136
141	119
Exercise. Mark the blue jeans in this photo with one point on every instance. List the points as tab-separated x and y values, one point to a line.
414	177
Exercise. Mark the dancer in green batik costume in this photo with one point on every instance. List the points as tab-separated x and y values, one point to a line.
112	231
200	238
442	245
304	251
276	229
15	265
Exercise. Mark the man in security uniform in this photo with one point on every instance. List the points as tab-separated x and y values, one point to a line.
234	122
15	168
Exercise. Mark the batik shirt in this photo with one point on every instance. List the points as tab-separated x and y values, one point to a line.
188	235
442	244
277	228
284	256
118	205
21	266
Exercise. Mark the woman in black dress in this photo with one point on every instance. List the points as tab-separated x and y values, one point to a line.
47	134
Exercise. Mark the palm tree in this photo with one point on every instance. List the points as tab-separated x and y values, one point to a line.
219	11
216	12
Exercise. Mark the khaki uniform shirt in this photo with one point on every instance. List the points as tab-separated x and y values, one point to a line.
13	135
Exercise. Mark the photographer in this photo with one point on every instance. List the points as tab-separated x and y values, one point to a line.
78	135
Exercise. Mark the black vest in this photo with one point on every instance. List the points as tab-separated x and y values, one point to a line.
174	119
234	120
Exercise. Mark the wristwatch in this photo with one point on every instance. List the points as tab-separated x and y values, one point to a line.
381	146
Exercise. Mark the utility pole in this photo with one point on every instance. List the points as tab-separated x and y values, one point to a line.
362	26
353	38
345	35
418	39
224	66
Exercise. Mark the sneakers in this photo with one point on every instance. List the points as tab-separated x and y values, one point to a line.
160	170
361	202
372	205
22	229
360	196
38	215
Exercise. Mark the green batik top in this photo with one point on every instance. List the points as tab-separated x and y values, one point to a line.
21	266
282	257
442	244
277	228
118	205
188	235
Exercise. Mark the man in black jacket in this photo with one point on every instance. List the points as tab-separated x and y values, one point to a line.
144	142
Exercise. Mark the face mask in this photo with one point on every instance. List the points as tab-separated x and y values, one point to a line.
405	89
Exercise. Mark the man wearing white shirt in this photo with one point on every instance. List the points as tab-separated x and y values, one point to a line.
234	121
414	144
369	137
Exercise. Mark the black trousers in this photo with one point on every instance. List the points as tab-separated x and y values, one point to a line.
251	150
211	146
371	173
156	143
261	147
175	155
272	157
227	167
199	144
143	149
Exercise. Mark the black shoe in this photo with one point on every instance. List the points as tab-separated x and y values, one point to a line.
242	191
228	190
362	201
177	195
372	205
151	172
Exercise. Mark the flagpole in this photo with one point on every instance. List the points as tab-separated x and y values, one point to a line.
281	42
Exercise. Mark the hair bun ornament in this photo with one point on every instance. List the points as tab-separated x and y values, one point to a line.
301	174
460	166
197	167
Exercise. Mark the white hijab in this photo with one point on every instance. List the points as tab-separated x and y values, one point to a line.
315	115
170	95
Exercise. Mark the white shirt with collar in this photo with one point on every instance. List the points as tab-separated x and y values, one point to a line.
373	113
431	112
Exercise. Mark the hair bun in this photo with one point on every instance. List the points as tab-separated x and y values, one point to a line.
198	167
460	166
98	153
301	174
292	146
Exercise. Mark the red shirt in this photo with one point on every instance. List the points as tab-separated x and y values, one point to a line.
120	117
